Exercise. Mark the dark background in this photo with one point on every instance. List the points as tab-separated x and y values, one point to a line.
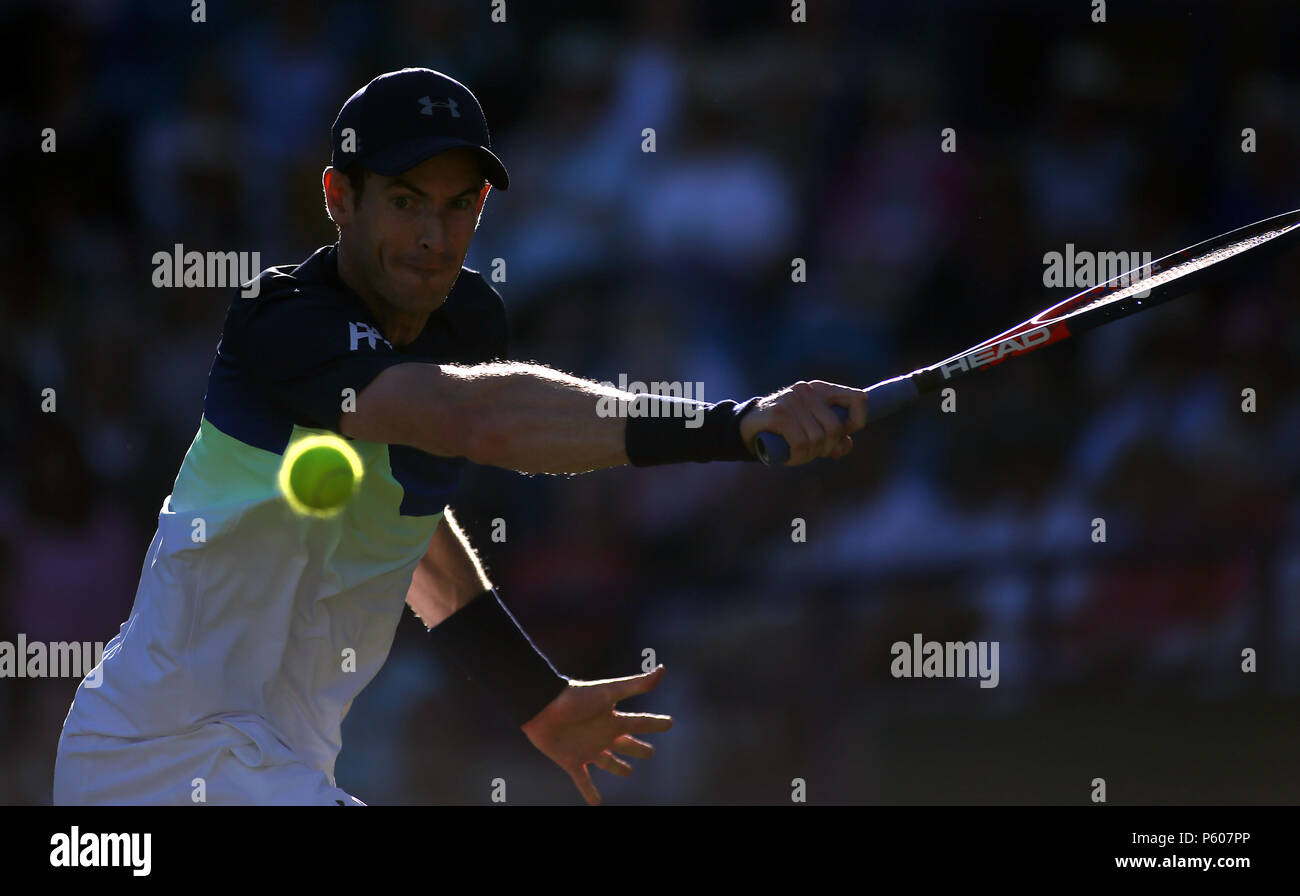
775	140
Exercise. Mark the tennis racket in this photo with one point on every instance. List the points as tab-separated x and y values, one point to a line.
1136	290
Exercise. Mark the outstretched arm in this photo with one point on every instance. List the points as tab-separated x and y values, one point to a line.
535	419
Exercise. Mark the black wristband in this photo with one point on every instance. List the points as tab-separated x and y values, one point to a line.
492	650
657	435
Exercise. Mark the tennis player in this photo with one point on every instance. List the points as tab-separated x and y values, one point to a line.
254	628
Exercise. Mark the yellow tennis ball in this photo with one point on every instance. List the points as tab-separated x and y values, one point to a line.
319	474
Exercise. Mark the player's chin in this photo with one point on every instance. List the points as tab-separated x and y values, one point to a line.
426	282
422	295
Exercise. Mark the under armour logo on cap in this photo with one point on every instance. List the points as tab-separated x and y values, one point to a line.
428	106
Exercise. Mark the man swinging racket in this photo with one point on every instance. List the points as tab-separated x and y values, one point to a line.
254	626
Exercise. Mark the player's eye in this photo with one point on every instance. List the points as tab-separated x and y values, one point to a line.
402	202
462	204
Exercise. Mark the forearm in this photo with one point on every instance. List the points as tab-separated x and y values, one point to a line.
447	576
534	419
470	625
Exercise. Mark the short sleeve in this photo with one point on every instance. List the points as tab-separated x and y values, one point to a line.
477	314
303	351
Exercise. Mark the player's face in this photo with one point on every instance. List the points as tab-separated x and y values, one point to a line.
409	233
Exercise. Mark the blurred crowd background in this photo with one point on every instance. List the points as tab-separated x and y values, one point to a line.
775	141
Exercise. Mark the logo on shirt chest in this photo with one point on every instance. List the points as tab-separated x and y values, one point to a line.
364	332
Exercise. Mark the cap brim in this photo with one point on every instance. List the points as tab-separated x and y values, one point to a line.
405	156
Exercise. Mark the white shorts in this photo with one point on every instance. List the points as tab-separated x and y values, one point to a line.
216	764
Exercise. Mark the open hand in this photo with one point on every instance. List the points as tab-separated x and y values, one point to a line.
581	726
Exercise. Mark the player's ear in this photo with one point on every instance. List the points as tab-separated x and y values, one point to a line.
339	197
482	198
329	186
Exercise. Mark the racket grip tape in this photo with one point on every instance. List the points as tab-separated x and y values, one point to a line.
882	400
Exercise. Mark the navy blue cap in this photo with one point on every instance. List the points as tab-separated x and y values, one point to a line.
402	118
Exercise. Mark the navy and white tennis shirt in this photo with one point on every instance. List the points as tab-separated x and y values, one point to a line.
253	627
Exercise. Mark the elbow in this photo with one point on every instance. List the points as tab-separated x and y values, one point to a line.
456	421
465	422
453	416
485	434
434	411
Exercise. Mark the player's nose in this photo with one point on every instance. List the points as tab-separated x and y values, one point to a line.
432	235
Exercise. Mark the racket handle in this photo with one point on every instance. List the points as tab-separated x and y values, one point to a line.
882	400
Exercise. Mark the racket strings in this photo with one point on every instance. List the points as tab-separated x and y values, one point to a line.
1041	329
1179	270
